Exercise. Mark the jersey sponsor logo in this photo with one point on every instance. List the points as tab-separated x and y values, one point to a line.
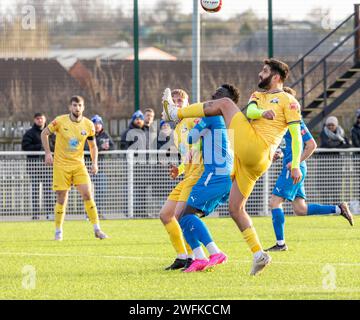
73	143
294	106
275	100
83	133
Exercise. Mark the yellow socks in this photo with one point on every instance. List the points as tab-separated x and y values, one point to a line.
176	237
59	215
252	239
91	210
195	110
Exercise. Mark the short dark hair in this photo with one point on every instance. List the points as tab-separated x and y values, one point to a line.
234	94
279	67
39	114
76	99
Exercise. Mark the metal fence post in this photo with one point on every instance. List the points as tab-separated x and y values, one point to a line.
130	195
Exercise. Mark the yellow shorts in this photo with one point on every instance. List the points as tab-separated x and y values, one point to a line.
252	156
63	178
183	189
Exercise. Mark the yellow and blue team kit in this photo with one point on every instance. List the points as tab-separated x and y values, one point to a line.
255	142
69	165
191	160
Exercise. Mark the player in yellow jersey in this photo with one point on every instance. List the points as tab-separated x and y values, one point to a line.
254	142
192	168
72	130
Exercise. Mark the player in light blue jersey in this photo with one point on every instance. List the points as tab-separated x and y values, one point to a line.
285	190
212	188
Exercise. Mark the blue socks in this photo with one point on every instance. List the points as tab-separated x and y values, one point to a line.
317	209
195	231
278	220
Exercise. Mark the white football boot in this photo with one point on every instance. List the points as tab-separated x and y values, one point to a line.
170	109
260	263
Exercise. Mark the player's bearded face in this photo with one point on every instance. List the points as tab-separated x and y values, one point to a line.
76	109
265	82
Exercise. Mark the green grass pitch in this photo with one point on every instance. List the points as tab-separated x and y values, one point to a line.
323	262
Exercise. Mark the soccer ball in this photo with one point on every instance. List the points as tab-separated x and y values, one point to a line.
211	5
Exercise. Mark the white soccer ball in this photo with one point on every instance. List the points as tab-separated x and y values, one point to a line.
211	5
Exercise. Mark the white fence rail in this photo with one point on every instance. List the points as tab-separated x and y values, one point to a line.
136	184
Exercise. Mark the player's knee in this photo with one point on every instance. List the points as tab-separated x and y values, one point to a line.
236	209
60	197
300	211
166	215
274	203
86	196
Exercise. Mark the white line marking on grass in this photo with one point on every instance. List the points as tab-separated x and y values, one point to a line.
344	264
76	255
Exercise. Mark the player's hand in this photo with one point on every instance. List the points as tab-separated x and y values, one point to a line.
288	166
277	155
173	171
296	175
269	115
49	159
94	168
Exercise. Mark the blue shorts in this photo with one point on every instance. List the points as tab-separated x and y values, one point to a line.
209	192
284	187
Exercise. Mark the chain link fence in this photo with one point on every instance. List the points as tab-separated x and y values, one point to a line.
135	184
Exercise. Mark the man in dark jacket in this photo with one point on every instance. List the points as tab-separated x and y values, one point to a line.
40	175
355	131
134	135
150	129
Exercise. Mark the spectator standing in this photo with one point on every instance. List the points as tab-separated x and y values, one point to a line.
40	175
134	133
355	131
333	135
134	138
150	129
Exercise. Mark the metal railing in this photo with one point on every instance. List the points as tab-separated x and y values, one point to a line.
135	184
323	62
